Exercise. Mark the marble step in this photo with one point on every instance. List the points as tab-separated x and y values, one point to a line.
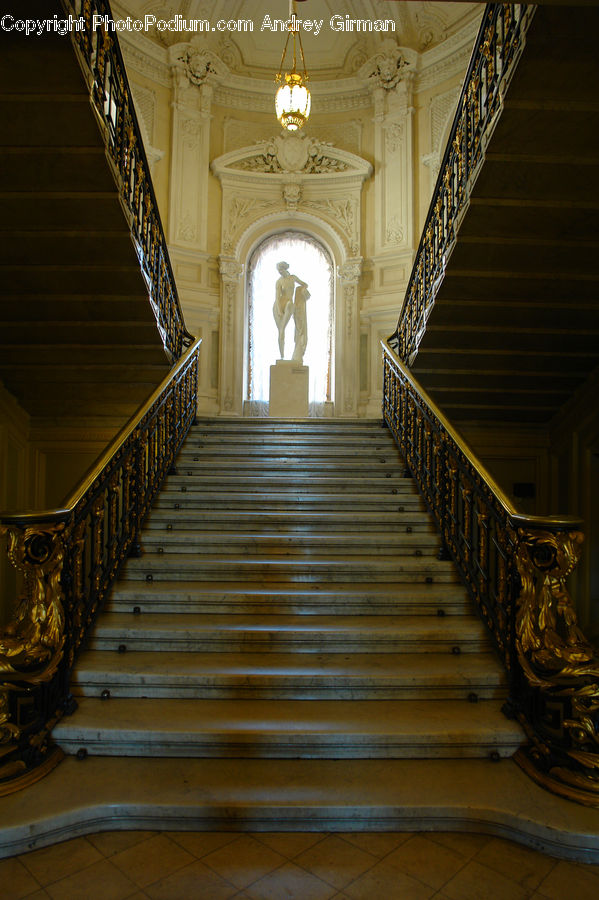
305	546
342	729
284	483
295	676
347	569
261	520
256	458
166	597
209	498
196	632
309	795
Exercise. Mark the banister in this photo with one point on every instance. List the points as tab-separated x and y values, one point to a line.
68	558
103	65
515	567
497	49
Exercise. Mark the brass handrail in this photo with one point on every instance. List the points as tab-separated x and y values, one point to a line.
515	567
498	46
102	61
68	558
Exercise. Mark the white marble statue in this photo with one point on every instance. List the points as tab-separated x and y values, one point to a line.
300	321
284	307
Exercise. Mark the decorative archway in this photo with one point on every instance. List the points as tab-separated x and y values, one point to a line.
309	260
300	184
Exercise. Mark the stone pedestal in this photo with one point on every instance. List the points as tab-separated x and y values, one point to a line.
288	390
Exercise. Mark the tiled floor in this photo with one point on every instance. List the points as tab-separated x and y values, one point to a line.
218	866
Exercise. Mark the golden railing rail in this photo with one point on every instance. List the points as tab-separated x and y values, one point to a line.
68	559
496	52
515	568
104	68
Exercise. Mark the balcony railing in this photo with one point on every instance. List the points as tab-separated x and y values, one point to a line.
103	66
68	559
496	52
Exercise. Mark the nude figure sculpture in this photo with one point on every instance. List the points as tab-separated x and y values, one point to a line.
284	306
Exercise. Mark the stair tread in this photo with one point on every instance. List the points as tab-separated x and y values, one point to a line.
281	623
306	795
190	666
247	718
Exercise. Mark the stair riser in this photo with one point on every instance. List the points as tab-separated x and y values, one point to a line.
309	487
209	500
265	575
333	644
395	524
170	542
244	687
271	747
177	604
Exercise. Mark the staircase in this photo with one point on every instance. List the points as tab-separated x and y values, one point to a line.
513	331
78	336
289	561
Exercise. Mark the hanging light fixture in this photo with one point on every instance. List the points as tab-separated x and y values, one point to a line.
292	99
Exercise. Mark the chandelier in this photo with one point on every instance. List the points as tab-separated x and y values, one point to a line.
292	99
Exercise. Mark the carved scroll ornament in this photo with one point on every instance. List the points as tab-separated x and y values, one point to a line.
31	647
558	661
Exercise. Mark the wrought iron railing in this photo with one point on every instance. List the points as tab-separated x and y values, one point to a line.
515	568
68	558
496	52
103	65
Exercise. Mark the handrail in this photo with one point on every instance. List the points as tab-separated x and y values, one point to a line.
497	49
104	67
68	559
515	568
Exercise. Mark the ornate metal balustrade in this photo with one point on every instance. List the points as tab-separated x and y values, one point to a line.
103	65
68	558
496	52
515	568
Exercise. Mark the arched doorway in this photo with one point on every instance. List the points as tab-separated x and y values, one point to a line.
310	261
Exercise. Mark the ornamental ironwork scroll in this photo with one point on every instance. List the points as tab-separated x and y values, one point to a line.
515	568
68	559
104	68
499	44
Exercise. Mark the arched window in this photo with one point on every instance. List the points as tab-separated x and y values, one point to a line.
308	260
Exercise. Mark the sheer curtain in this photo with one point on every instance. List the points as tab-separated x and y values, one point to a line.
309	261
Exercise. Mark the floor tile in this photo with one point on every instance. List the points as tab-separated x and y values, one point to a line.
199	843
290	844
290	883
387	883
53	863
152	860
16	880
477	882
571	881
378	843
467	845
110	842
520	864
336	861
100	881
193	881
244	861
428	862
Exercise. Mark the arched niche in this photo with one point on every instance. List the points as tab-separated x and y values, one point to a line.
290	184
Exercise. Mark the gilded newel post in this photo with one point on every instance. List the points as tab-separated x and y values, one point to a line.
560	693
31	649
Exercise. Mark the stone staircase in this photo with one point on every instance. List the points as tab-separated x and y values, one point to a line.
289	561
